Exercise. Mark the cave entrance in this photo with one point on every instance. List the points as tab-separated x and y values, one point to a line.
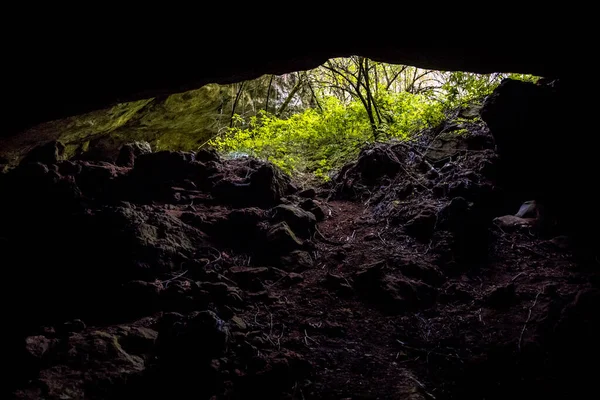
342	232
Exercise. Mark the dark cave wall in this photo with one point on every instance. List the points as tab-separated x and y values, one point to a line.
64	68
58	74
542	138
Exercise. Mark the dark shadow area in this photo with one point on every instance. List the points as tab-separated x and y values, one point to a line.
464	268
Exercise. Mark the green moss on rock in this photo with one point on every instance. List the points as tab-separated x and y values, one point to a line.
182	121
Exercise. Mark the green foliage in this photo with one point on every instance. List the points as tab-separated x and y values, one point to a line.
461	88
524	77
308	122
407	113
319	140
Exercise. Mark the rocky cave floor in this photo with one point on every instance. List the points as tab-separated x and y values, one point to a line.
178	275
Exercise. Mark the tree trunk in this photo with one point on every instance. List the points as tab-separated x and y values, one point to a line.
289	98
269	93
235	103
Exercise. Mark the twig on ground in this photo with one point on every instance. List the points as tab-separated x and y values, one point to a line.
166	282
480	317
307	338
427	352
516	276
529	317
256	316
422	387
417	181
429	246
296	389
226	279
324	239
220	257
280	336
351	237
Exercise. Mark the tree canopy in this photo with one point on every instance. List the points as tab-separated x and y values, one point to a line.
312	122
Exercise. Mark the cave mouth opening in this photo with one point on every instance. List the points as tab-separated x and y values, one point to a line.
309	123
388	237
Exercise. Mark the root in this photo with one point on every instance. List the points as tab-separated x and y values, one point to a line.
322	238
528	318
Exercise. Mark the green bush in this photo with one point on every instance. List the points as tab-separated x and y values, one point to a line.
318	141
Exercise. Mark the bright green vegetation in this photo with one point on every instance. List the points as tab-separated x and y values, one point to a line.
350	102
318	140
309	123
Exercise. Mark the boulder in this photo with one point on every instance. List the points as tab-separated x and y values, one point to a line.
447	144
422	225
269	184
193	340
39	347
393	293
130	151
470	112
454	215
163	165
264	187
313	207
511	223
206	155
100	180
281	239
240	229
48	153
309	193
529	209
302	222
84	365
376	163
296	260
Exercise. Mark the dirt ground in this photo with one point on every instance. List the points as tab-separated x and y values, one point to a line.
186	276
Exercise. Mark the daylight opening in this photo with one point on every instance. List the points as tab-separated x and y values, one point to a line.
310	123
358	230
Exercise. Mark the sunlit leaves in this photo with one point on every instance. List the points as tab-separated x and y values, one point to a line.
318	141
355	101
